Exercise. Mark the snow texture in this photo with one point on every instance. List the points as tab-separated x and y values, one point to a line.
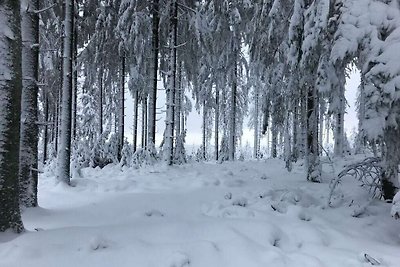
202	214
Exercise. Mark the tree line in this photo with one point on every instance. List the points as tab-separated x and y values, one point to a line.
65	67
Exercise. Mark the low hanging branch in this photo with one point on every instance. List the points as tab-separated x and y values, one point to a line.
368	172
45	9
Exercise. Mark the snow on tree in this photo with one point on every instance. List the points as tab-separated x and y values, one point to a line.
369	31
28	169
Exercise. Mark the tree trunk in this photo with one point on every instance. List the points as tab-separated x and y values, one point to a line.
256	131
303	123
391	157
287	140
135	119
57	111
170	92
361	141
179	148
121	119
321	123
216	130
295	150
75	80
28	175
204	133
144	123
178	102
312	155
153	90
46	127
339	125
232	130
64	154
274	143
101	85
10	109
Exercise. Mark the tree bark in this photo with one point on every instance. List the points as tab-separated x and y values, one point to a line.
135	119
295	150
46	127
121	119
10	109
101	85
170	92
232	130
204	132
144	123
391	161
339	124
256	152
29	137
216	124
312	155
153	91
75	79
64	154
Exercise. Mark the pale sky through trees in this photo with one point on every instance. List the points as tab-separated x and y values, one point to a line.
193	137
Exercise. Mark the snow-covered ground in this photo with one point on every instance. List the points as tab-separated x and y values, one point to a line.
240	214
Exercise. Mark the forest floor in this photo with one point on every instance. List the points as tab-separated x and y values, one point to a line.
240	214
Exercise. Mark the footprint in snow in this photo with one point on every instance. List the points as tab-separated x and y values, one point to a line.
304	216
228	195
98	243
179	259
279	207
154	213
242	202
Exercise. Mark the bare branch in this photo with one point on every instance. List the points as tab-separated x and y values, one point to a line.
44	9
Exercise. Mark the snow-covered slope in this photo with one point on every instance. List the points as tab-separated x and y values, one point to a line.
240	214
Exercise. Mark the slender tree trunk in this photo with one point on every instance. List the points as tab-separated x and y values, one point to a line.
204	135
153	91
328	128
321	123
216	124
361	141
169	134
46	128
75	80
274	143
135	119
64	154
304	123
287	140
295	150
256	117
232	131
10	109
101	89
28	175
57	121
178	102
339	125
144	123
179	148
121	119
312	155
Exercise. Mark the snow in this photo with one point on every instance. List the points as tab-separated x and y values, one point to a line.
203	214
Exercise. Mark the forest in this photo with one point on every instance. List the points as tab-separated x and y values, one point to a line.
278	67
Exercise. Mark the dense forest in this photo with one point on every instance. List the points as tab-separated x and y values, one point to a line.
66	68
